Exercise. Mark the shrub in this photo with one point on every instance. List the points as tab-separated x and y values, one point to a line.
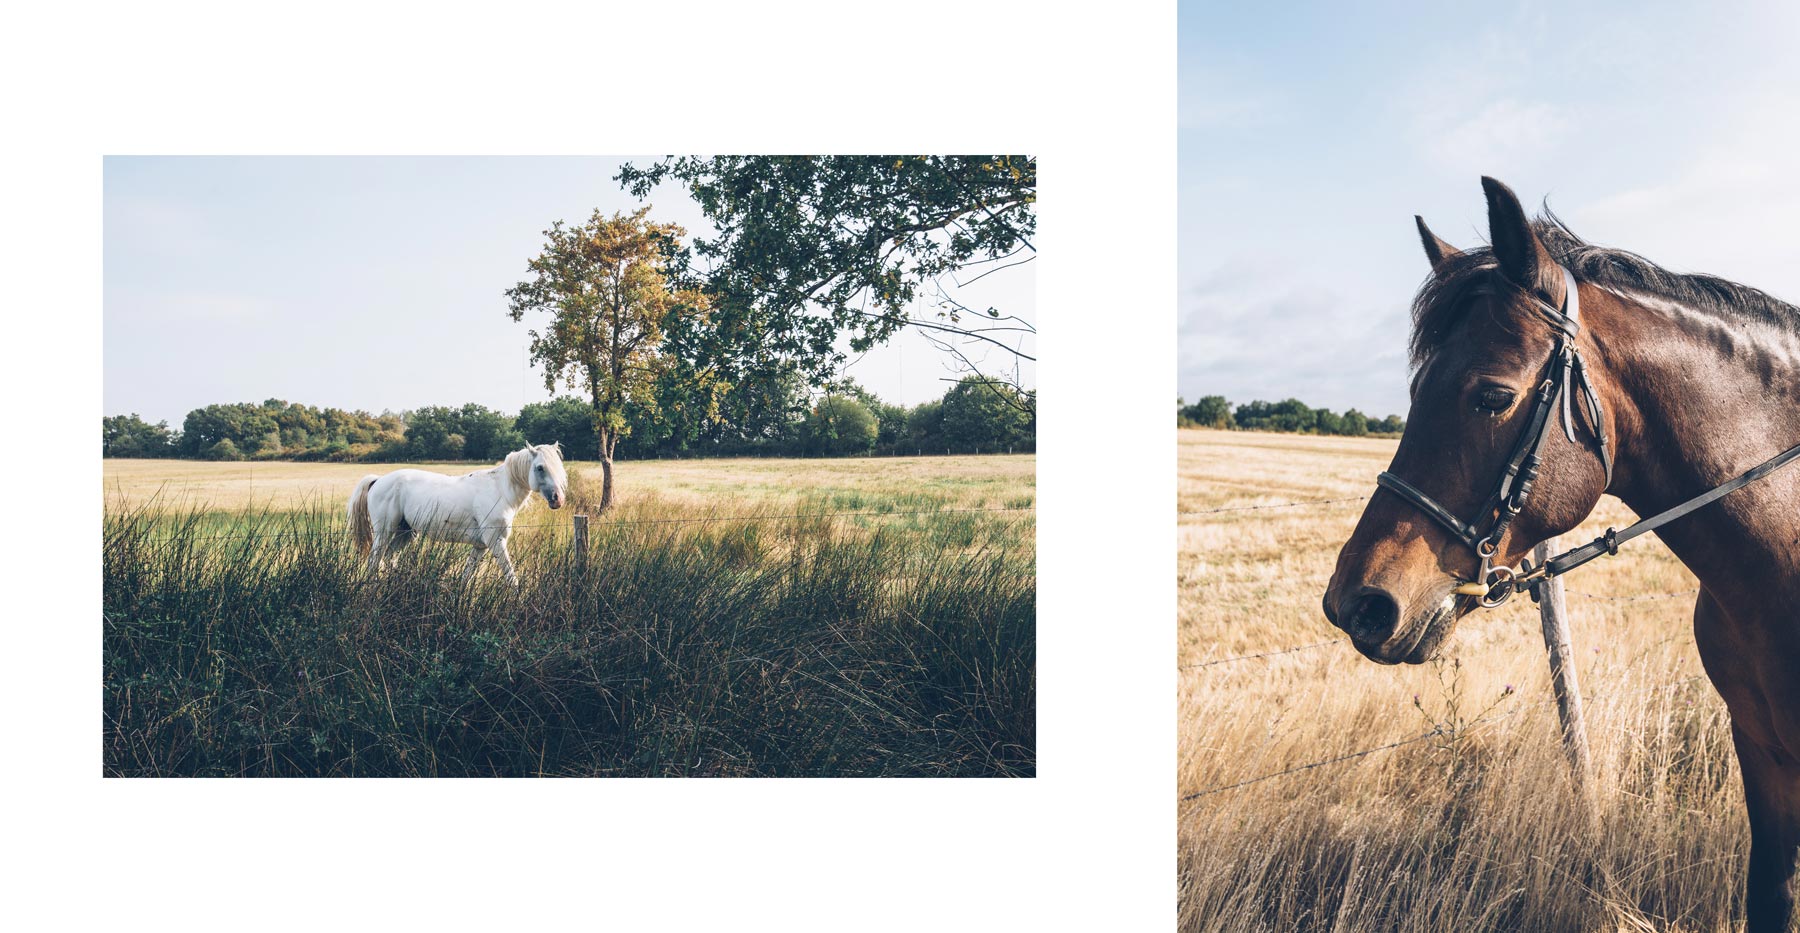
224	450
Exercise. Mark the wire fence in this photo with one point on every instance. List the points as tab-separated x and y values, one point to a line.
1264	654
1213	662
601	521
1438	731
1275	505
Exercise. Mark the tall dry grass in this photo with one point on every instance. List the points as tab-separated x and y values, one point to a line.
1476	826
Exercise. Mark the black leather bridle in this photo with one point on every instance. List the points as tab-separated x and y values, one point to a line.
1495	585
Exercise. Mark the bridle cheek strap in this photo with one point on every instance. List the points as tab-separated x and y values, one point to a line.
1494	585
1520	473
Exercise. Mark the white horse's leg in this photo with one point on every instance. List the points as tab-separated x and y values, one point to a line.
497	544
377	548
474	561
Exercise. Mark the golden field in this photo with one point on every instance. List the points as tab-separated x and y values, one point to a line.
1478	828
701	486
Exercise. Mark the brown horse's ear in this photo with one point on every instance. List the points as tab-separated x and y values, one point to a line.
1521	255
1436	250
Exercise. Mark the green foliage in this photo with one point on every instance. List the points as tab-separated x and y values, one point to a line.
472	432
1290	415
131	436
276	428
565	420
488	434
811	249
224	450
428	433
1212	411
840	425
890	421
981	413
605	290
847	421
925	423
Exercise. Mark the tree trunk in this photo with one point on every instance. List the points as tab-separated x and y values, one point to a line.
605	441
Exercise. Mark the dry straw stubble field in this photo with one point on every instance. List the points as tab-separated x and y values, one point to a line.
1476	827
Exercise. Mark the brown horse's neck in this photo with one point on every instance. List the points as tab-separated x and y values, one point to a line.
1697	399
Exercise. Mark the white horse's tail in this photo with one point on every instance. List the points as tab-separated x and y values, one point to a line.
360	530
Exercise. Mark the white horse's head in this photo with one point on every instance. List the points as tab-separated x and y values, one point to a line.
540	469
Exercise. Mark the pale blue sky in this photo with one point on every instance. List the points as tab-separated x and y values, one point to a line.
368	283
1311	133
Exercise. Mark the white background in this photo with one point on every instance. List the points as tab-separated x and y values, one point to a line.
1089	90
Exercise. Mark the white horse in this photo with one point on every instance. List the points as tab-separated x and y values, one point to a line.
478	509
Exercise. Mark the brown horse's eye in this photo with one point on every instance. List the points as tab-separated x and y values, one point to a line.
1494	400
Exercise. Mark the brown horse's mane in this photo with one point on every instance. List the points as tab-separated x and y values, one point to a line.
1441	302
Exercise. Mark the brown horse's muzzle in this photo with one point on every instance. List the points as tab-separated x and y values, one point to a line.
1393	595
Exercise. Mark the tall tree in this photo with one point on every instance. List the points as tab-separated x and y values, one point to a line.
605	287
978	413
840	424
813	248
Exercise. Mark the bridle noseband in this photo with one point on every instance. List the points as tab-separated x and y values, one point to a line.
1494	585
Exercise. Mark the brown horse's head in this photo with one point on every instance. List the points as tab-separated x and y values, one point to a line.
1481	347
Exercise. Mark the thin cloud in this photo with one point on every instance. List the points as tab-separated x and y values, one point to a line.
1506	132
1248	336
1728	212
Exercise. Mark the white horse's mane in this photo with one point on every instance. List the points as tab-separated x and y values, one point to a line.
518	463
518	468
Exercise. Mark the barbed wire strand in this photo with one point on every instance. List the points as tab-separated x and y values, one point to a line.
1276	505
1186	798
1308	767
1265	654
1633	599
601	522
1333	641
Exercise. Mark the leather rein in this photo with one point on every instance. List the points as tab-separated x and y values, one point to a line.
1495	585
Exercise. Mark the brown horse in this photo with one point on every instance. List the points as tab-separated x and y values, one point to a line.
1664	387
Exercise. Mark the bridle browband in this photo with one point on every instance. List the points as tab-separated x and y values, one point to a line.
1495	585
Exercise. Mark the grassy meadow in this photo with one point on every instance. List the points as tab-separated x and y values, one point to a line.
730	620
1479	828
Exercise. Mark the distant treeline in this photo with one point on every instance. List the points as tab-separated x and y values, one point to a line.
1290	415
974	415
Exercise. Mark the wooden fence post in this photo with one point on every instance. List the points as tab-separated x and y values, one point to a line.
1563	681
581	522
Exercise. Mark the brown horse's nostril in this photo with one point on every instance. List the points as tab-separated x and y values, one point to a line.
1370	616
